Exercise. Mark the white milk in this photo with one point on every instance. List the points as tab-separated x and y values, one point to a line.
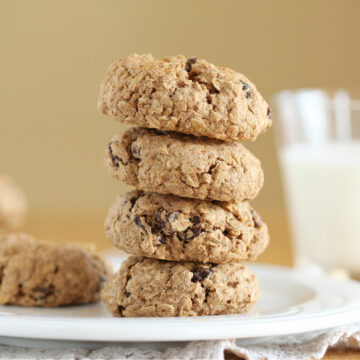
322	185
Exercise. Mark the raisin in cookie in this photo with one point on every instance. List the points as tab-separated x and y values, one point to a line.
168	227
184	165
36	273
189	96
13	205
150	287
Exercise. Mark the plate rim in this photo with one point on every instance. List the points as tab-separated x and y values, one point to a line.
183	329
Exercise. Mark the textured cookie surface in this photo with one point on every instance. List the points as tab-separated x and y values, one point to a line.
168	227
34	273
150	287
13	204
184	165
190	96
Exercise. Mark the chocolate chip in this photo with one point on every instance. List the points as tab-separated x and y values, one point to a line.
246	87
138	222
127	294
114	158
45	291
164	220
120	309
257	220
133	201
269	112
20	291
200	273
158	218
190	233
196	232
189	63
162	239
56	269
195	220
155	229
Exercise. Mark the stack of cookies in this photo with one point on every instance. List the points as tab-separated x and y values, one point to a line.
189	223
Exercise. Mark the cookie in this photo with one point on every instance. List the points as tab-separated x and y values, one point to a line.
168	227
189	96
184	165
13	205
36	273
155	288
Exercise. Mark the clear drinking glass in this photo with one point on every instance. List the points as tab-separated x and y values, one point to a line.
318	135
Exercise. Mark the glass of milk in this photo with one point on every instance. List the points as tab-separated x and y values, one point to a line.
318	135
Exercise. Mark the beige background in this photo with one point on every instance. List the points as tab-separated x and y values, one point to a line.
54	55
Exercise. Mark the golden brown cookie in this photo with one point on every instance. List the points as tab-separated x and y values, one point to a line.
156	288
184	165
37	273
168	227
189	96
13	205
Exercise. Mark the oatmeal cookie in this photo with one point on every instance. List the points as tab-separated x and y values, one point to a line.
38	273
168	227
189	96
184	165
156	288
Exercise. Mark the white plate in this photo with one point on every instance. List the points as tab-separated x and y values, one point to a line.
290	302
